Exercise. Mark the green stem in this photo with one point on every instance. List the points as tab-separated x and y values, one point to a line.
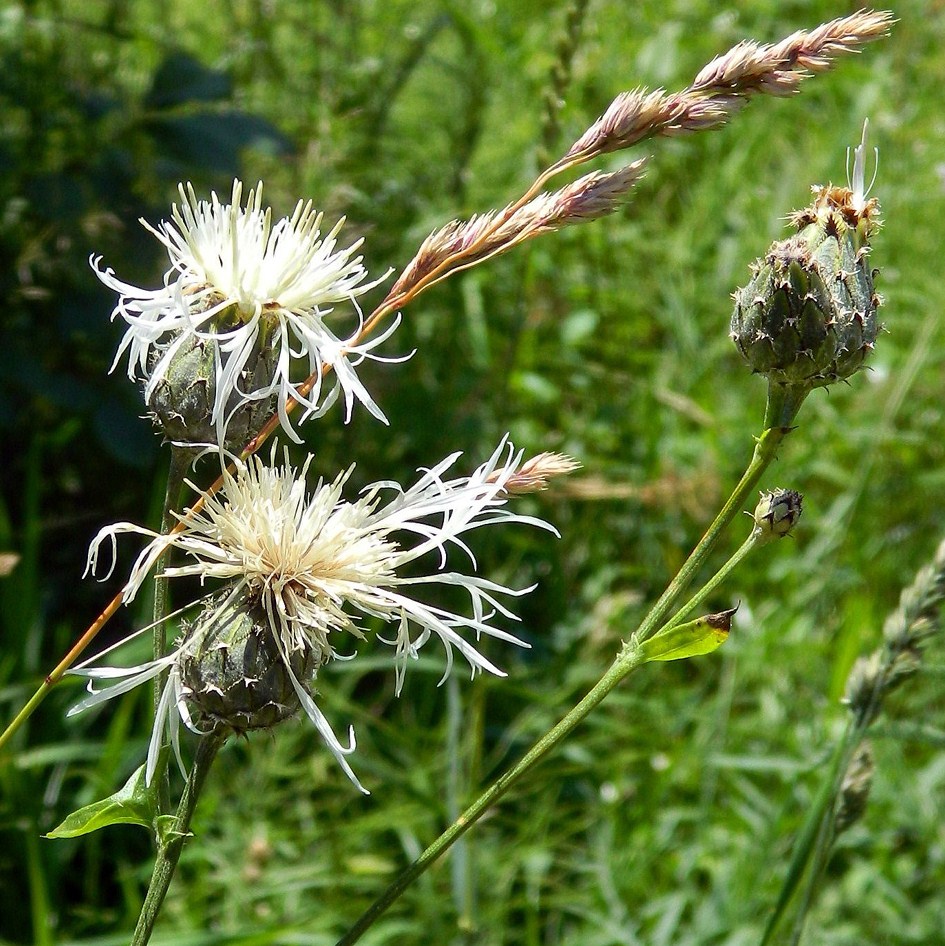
175	481
171	841
784	401
822	845
783	404
755	538
627	661
815	841
810	834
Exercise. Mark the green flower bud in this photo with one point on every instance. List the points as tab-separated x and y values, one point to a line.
808	316
777	512
235	676
182	400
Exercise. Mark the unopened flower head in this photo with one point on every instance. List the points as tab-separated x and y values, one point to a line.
314	565
808	315
243	285
777	513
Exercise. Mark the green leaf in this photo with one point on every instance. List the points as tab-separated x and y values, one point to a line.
181	78
214	140
691	639
133	803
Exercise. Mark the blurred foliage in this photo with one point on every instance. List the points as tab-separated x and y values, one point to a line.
666	818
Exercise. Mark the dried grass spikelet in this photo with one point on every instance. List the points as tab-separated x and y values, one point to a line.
720	89
727	83
490	234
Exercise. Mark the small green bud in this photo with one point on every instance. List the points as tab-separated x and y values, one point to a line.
777	512
235	676
808	315
182	400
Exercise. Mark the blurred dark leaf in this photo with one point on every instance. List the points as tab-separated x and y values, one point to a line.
214	142
181	78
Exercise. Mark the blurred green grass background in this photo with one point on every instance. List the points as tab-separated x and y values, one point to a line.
668	817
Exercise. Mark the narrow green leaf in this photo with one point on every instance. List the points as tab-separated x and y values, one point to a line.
133	803
691	639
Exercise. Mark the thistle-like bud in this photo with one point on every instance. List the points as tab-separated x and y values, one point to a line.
236	676
777	512
182	400
808	316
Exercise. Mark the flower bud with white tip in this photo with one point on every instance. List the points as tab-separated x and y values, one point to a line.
808	316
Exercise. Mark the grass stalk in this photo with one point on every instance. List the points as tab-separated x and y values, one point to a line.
870	680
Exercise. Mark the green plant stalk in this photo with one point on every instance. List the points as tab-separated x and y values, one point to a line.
161	607
809	836
631	657
822	846
783	403
755	538
814	843
171	841
41	913
628	660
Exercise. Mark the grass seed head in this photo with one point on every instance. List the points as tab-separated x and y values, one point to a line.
855	790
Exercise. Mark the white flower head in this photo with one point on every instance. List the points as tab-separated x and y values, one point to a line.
317	565
236	279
